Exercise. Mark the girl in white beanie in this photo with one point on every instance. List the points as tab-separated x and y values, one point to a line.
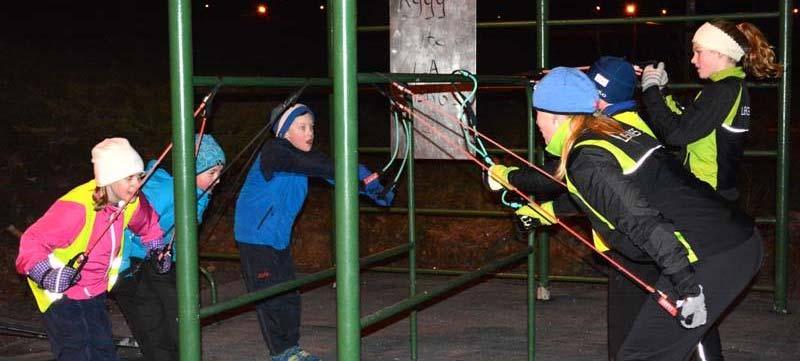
711	129
89	220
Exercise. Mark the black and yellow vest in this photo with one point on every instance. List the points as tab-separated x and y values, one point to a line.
630	148
714	158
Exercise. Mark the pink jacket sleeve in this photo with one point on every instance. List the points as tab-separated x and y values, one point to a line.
57	228
145	222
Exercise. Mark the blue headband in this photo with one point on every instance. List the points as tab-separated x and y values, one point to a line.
300	110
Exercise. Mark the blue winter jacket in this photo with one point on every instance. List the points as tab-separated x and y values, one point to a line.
276	188
159	192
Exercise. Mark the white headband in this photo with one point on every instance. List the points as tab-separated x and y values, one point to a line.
713	38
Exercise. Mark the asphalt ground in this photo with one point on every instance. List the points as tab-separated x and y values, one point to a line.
485	321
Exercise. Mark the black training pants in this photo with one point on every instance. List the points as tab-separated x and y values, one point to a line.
278	316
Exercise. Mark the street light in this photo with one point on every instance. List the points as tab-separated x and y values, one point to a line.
630	9
261	9
663	11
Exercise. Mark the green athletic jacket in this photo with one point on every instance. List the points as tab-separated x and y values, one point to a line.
710	131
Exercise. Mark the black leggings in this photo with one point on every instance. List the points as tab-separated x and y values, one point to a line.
655	335
149	302
625	298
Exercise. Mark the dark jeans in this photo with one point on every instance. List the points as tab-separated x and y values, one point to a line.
80	330
655	335
149	302
625	299
279	316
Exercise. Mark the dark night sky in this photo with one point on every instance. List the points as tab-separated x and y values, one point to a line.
231	39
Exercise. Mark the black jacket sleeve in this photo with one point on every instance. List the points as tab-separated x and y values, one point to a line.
599	179
697	120
531	181
279	155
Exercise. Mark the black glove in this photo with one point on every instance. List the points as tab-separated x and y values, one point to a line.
161	259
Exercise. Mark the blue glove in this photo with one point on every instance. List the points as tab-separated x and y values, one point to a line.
373	188
56	280
384	198
365	175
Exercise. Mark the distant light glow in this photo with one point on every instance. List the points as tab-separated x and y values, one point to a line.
498	16
206	6
262	9
663	11
794	11
597	8
630	9
322	7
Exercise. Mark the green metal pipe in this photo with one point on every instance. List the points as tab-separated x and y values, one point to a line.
331	130
212	284
437	212
412	245
259	295
661	19
450	212
606	21
362	78
180	54
373	78
525	276
783	172
221	256
698	85
531	280
752	153
413	302
500	275
345	105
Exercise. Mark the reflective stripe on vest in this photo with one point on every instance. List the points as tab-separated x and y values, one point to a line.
82	195
629	166
701	155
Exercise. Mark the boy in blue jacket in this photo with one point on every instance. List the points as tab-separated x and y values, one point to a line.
273	194
147	297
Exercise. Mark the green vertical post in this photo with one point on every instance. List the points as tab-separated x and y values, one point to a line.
180	55
412	243
531	236
331	121
782	190
345	105
542	45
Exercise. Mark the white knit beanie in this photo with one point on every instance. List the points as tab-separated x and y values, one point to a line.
714	38
115	159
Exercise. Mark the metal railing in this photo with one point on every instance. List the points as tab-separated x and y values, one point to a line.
344	80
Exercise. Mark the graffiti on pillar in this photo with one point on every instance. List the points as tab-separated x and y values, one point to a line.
433	37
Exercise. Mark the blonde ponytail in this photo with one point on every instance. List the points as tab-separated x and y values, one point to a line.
579	124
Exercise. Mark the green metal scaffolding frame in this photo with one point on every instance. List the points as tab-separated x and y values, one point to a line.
344	80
